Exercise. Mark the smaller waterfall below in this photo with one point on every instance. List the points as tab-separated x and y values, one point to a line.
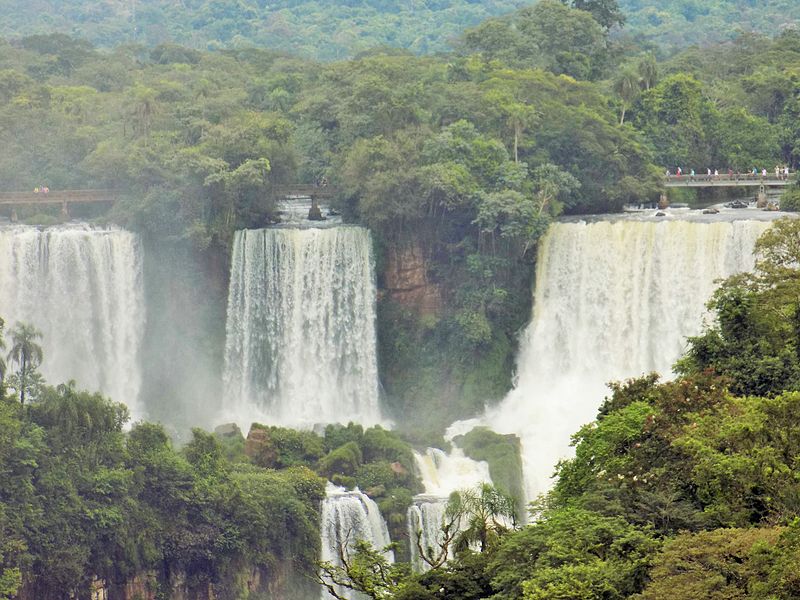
441	474
82	288
425	518
300	341
349	516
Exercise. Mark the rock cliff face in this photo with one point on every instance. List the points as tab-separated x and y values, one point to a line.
276	584
406	279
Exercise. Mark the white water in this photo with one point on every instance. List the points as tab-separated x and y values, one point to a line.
612	300
426	517
301	341
444	473
82	288
441	474
346	518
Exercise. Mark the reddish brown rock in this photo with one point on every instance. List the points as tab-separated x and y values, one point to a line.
407	282
398	469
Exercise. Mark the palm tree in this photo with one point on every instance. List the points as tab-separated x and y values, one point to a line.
627	88
26	353
488	513
648	71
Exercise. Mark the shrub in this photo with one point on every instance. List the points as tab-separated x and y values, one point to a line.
344	460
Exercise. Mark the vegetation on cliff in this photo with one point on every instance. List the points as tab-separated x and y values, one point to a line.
80	498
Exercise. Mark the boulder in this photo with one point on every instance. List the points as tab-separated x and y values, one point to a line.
314	213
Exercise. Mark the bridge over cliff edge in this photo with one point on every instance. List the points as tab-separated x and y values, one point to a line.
65	198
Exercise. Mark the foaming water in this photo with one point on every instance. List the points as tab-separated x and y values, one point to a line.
444	473
301	341
82	288
612	300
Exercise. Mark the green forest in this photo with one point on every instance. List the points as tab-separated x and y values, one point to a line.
456	132
340	29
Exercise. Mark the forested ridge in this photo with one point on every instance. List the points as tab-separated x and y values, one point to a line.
685	489
343	28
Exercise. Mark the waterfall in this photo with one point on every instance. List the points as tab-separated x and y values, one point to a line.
82	288
426	517
444	473
612	300
301	342
441	474
346	518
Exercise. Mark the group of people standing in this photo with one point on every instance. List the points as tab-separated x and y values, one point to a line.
781	173
41	189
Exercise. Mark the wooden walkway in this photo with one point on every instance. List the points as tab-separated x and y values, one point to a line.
674	181
304	191
63	197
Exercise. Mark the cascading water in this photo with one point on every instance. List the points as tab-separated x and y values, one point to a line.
613	299
441	474
301	342
444	473
425	518
82	288
348	517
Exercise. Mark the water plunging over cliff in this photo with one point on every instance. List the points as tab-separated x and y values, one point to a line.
612	300
441	474
82	288
346	518
301	342
444	473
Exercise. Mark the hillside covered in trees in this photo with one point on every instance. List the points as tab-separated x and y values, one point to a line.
342	28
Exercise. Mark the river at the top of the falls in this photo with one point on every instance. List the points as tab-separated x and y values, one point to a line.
82	288
613	299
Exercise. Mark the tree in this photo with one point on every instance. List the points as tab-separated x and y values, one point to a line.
626	86
679	121
2	360
363	569
27	354
487	512
573	554
713	564
605	12
648	71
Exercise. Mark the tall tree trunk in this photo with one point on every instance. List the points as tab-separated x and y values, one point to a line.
22	378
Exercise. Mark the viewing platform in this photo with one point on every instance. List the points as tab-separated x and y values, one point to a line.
745	180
